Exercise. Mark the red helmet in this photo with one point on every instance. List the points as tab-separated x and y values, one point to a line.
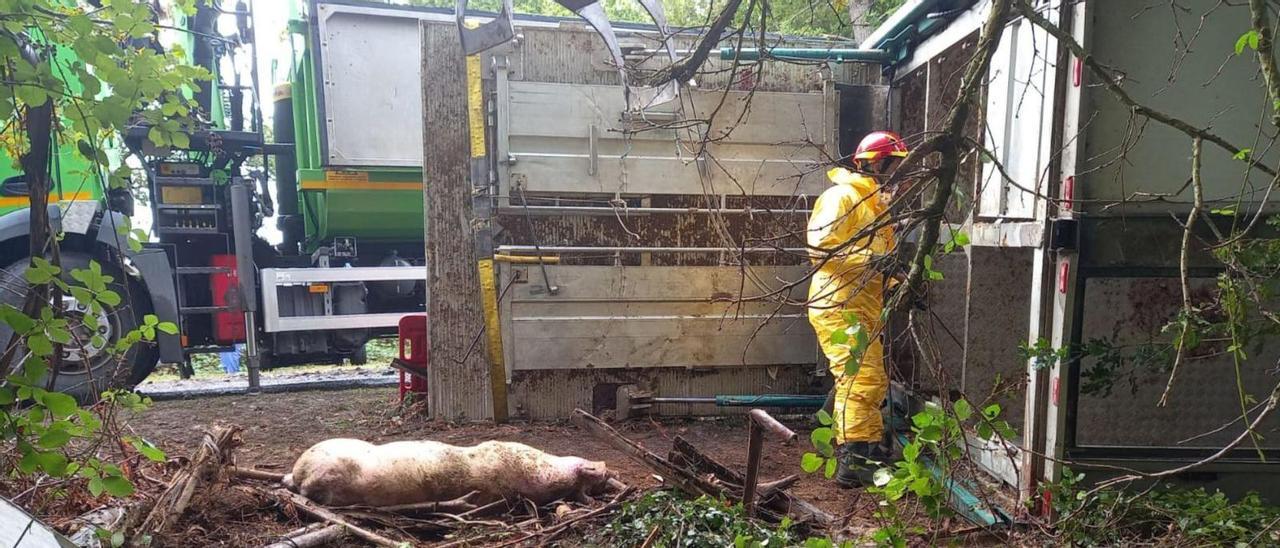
880	144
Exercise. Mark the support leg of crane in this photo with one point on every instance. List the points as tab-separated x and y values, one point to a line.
251	353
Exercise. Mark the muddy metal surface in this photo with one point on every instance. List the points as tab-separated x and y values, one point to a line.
278	427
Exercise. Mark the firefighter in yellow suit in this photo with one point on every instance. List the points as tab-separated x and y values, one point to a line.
844	239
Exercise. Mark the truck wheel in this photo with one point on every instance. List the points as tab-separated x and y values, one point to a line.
89	369
359	356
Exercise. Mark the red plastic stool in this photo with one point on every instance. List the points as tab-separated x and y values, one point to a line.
413	360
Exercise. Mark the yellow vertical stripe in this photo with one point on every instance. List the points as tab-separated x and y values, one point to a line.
475	106
492	329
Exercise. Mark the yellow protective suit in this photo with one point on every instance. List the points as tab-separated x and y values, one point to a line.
845	283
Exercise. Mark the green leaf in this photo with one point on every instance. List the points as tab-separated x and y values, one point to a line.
150	320
991	411
118	486
157	137
38	276
109	298
851	369
52	462
911	452
830	470
86	149
984	431
821	437
963	410
839	336
810	462
96	487
53	439
151	452
931	433
1005	431
1249	38
15	319
61	405
168	328
31	94
58	335
39	344
180	140
1243	154
824	418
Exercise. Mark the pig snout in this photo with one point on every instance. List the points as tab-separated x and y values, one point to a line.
595	477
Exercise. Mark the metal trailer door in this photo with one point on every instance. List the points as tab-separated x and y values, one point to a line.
571	330
369	81
1123	284
1021	85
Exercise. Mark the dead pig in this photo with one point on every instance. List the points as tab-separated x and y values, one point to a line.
341	472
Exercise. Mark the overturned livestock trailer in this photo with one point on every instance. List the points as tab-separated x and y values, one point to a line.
1068	306
598	241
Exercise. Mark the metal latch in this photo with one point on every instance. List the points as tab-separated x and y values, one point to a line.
1064	234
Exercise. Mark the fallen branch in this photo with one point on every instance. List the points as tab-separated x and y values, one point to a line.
774	487
683	452
460	504
249	473
311	536
679	477
481	510
319	512
773	495
553	531
203	468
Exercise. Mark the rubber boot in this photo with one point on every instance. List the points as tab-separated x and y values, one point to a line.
857	462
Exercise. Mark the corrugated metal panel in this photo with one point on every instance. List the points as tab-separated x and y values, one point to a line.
1131	311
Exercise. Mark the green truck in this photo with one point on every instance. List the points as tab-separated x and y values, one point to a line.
349	267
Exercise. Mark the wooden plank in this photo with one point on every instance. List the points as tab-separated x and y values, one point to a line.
459	385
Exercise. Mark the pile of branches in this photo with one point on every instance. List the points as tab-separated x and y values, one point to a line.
207	499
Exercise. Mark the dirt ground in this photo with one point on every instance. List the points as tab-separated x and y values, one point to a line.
279	427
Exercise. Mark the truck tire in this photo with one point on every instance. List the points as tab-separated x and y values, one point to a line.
88	370
359	356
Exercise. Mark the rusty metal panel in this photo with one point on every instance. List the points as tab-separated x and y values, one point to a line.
775	220
573	138
998	323
1129	312
636	316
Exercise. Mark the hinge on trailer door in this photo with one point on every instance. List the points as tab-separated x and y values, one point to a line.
1064	234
